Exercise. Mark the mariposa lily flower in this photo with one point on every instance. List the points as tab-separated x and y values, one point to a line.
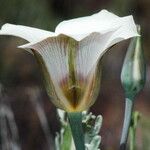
69	57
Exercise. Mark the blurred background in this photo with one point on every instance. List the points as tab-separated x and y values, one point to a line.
28	120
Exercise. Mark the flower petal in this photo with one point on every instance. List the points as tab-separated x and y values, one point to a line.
126	30
90	50
54	53
28	33
101	22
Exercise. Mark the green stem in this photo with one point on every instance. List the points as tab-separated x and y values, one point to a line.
75	120
132	138
126	124
132	130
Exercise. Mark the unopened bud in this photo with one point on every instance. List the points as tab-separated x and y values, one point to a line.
134	69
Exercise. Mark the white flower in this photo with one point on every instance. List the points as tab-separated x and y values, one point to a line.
69	56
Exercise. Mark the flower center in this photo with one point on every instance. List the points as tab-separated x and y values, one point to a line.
74	93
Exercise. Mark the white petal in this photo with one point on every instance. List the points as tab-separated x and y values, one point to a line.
54	53
28	33
101	22
92	48
127	30
90	51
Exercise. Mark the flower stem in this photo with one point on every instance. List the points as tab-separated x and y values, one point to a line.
132	130
132	139
75	120
126	124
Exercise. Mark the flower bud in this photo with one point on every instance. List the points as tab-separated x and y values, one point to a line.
134	69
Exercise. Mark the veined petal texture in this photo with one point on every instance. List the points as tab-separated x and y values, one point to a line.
70	87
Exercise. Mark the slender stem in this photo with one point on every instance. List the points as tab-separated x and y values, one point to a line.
132	138
75	120
126	124
132	130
